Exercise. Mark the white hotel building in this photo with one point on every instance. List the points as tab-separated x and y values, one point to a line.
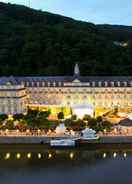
84	94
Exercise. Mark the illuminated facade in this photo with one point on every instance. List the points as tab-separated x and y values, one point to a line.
90	94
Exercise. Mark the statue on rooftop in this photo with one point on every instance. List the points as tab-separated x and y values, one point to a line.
76	69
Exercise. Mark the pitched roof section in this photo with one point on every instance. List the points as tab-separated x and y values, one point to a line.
8	81
72	78
60	80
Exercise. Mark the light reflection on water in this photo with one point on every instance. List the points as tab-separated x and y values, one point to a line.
66	154
64	166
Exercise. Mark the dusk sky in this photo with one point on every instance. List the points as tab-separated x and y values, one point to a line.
96	11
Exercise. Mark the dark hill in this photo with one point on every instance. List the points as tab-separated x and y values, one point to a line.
34	42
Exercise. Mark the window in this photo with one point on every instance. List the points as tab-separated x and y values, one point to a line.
99	84
118	84
93	84
43	83
27	83
54	84
106	84
131	84
112	84
37	84
125	84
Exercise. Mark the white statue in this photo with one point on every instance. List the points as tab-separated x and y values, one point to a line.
76	69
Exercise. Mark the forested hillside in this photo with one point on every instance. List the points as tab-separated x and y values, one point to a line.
34	42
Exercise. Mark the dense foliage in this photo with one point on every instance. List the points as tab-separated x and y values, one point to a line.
39	43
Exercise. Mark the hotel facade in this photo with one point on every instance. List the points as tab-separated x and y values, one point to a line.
94	95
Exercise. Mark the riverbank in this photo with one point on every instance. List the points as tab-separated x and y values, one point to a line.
46	140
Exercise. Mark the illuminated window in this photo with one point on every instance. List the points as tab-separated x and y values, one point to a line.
125	84
54	84
59	83
43	83
23	83
37	84
100	84
131	84
27	83
112	84
118	84
106	84
93	84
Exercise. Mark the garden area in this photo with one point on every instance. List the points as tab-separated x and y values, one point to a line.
35	119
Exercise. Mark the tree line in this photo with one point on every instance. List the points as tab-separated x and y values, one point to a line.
34	42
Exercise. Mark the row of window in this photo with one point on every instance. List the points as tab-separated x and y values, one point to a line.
92	84
79	91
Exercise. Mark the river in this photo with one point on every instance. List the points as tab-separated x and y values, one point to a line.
36	165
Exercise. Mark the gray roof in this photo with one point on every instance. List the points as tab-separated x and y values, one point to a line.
8	80
71	78
67	79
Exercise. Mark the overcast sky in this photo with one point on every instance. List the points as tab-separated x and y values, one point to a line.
96	11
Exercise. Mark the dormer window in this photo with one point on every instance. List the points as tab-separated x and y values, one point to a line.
118	84
59	83
131	84
37	84
112	84
125	84
43	83
48	83
106	84
93	84
54	84
99	83
27	83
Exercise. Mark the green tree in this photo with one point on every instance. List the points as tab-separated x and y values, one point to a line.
74	117
3	117
86	117
9	125
106	125
60	115
18	116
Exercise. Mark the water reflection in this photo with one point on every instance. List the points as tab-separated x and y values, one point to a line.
115	155
78	165
39	155
18	155
29	155
77	155
7	156
125	155
104	155
50	155
71	155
